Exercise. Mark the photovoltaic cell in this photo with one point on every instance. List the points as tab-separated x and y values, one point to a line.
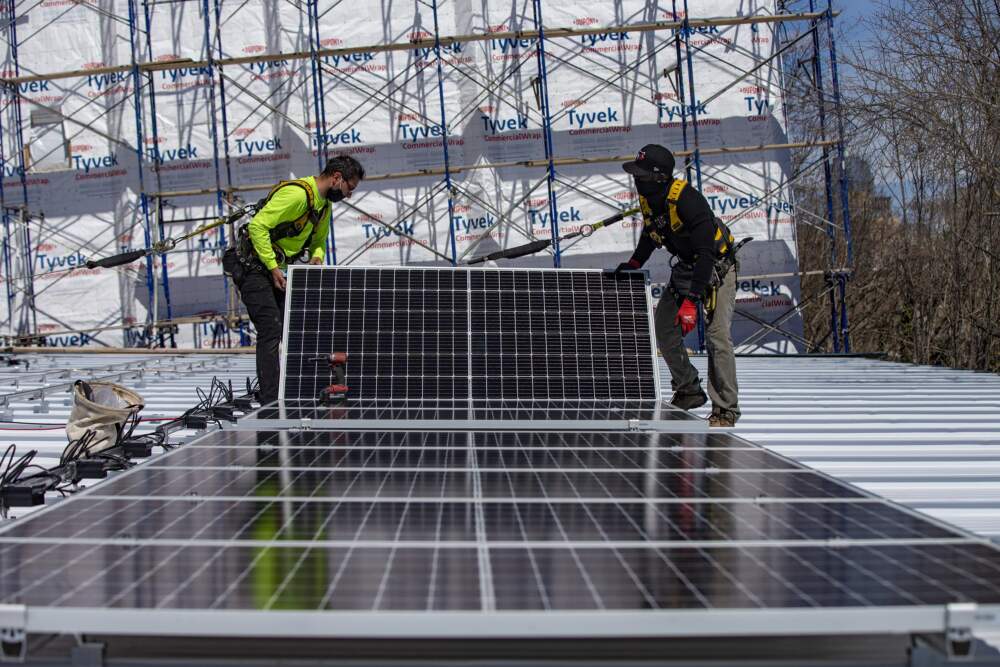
418	333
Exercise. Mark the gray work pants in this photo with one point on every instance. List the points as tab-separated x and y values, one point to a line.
722	386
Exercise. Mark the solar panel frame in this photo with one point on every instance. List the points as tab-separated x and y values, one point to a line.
476	341
587	415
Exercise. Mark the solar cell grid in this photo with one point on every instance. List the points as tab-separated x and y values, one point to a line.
521	579
259	519
348	455
470	333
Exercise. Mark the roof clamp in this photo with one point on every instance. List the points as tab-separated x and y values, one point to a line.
13	638
961	619
634	425
41	407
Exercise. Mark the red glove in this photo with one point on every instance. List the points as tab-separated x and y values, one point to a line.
687	316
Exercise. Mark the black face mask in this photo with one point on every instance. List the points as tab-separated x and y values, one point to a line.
334	195
648	188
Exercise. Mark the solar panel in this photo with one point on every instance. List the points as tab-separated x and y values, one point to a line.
532	523
459	333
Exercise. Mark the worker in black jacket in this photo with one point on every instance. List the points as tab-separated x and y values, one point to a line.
678	217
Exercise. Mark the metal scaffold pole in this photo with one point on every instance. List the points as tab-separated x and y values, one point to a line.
157	223
151	314
28	320
444	136
232	303
543	98
8	277
844	184
686	31
827	170
319	114
696	154
213	129
679	90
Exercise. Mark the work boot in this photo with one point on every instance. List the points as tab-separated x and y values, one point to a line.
722	419
689	400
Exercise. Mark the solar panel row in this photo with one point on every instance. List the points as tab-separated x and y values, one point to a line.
557	505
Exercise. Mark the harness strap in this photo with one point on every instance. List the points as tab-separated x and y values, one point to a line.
672	197
292	228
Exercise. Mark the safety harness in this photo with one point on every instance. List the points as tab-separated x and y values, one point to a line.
683	272
723	237
285	229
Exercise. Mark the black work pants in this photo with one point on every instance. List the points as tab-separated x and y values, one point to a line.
266	306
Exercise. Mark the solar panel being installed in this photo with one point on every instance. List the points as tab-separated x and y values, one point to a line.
530	524
428	333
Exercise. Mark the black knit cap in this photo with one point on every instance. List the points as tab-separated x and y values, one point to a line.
652	162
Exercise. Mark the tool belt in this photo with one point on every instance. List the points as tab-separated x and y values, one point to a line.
682	275
247	255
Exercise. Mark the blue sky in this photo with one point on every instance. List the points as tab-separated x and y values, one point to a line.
852	20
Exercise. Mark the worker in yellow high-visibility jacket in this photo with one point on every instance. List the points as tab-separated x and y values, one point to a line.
291	225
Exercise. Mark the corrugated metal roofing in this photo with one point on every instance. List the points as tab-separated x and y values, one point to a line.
924	436
35	399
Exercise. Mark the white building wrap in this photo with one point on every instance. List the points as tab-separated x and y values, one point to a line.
94	150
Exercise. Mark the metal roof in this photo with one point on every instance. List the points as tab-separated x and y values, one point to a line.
924	436
35	399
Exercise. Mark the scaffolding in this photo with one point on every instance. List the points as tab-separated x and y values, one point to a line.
220	90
